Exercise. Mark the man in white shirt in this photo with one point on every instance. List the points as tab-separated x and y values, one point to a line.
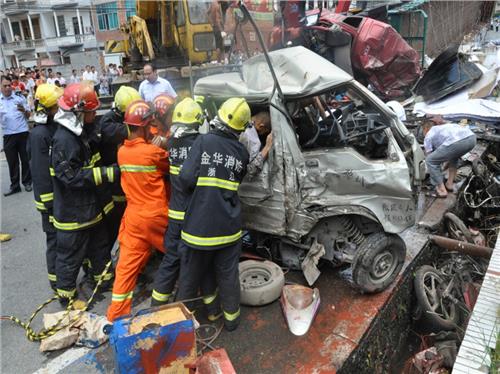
59	77
153	85
87	74
74	77
445	142
95	79
51	79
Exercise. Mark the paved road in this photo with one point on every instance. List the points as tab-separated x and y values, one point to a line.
24	283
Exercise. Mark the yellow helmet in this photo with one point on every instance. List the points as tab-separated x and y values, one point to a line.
188	112
236	113
47	95
124	96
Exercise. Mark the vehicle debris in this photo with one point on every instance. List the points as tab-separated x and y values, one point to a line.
448	73
378	54
460	246
300	305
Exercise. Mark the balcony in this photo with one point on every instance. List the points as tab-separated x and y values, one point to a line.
50	44
23	45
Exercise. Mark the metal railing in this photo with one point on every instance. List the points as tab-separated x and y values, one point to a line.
48	42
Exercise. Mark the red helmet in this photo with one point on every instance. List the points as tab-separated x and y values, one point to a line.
79	97
163	103
138	113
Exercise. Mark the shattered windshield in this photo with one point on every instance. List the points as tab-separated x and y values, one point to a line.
198	11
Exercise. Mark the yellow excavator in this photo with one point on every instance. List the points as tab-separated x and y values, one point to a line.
169	33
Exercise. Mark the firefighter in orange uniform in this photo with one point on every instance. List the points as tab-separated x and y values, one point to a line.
143	167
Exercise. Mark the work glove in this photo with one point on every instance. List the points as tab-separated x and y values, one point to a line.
159	141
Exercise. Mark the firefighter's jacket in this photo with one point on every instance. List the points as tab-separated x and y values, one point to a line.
178	149
39	143
113	134
143	167
78	175
212	174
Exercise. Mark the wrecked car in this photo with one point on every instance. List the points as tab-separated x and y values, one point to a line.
378	54
338	189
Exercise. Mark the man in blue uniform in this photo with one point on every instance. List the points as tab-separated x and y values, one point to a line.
39	143
211	234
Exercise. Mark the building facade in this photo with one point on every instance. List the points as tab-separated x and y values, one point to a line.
109	15
36	31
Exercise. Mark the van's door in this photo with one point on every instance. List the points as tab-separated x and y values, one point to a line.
263	196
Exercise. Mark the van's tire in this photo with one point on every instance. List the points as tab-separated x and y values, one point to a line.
377	262
432	319
261	282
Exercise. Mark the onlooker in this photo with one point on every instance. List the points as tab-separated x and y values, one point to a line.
95	78
154	85
104	84
87	74
120	70
61	79
52	78
17	86
14	114
112	74
74	77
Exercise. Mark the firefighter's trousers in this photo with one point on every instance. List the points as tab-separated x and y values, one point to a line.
138	236
196	266
72	248
114	219
51	252
168	272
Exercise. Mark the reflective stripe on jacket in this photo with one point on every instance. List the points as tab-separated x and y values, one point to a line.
39	143
77	177
178	151
211	175
143	167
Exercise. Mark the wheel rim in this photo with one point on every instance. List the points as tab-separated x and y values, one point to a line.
383	266
433	287
454	231
252	278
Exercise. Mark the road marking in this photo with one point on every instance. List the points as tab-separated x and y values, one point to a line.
64	360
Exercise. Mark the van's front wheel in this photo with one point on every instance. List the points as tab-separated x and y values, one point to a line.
377	262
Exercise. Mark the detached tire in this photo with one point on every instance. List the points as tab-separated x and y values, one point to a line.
261	282
377	262
437	314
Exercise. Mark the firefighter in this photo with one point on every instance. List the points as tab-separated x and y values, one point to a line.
77	174
211	233
113	134
39	143
143	167
187	118
163	105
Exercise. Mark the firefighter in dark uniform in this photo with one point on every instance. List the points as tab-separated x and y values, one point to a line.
113	134
77	174
187	117
39	143
211	234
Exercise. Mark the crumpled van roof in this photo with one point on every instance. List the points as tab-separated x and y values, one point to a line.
300	73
